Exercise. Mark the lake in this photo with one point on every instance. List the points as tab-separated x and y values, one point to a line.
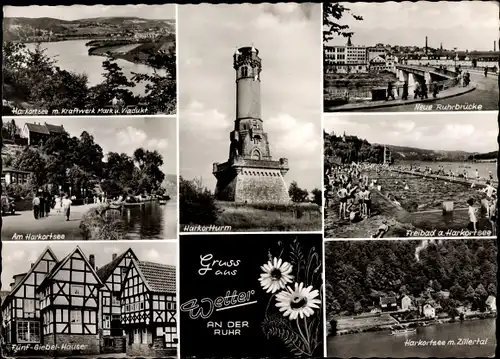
150	221
482	167
383	344
72	55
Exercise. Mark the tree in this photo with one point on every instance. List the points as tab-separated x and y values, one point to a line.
332	12
296	193
481	292
317	196
115	84
10	130
196	203
32	161
161	89
492	289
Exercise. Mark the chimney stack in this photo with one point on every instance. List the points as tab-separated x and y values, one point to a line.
114	256
494	45
92	261
32	264
426	44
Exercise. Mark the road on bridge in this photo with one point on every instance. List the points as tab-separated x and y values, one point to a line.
485	94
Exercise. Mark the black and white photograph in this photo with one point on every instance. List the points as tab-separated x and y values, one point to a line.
116	299
256	296
89	178
431	298
250	118
432	175
411	56
89	60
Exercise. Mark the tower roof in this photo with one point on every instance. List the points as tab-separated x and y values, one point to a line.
248	50
349	43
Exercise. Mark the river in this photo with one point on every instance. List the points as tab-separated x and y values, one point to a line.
383	344
150	221
72	55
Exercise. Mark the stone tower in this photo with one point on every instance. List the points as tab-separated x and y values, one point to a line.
250	175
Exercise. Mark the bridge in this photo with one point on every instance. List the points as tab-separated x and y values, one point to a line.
412	74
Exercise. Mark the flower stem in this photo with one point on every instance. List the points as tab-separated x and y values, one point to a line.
306	342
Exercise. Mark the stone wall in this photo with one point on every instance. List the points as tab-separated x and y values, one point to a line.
261	186
111	344
67	344
226	186
154	349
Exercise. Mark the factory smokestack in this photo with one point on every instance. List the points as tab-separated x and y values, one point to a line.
494	46
426	44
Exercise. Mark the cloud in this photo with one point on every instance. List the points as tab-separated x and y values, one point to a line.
159	144
209	122
293	136
131	136
404	125
457	131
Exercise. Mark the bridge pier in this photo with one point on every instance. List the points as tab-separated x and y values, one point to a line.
412	81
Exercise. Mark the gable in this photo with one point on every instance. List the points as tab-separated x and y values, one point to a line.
114	273
35	276
76	268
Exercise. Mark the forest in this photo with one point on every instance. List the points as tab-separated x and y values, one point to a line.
353	149
79	162
32	79
358	273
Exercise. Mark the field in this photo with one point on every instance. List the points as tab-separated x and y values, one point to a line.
269	218
364	322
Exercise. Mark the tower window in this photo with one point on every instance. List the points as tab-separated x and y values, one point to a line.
244	71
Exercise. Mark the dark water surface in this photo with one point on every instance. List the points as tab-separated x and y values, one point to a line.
383	344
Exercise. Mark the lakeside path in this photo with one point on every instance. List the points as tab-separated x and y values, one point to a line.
23	223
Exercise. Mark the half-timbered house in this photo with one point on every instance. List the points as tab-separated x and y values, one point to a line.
22	321
69	299
149	309
112	338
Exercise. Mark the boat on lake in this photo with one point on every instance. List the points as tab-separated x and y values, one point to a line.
163	200
404	331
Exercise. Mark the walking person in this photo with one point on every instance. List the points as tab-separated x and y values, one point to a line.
405	91
424	91
485	72
57	205
41	208
472	216
36	206
434	88
66	204
390	92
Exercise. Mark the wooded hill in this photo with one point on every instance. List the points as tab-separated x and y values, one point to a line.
351	148
358	273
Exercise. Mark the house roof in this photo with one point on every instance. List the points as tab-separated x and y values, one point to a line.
388	300
105	271
159	277
33	127
58	266
490	300
13	291
54	128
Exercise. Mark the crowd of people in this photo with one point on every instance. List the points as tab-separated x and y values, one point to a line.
350	187
44	202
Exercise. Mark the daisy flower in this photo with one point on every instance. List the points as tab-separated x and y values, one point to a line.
276	275
297	302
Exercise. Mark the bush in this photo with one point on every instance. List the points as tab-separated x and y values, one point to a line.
197	204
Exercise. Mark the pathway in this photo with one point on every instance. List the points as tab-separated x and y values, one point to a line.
395	105
23	223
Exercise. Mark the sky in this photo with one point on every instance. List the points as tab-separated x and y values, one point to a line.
17	257
470	132
289	43
75	12
123	135
472	25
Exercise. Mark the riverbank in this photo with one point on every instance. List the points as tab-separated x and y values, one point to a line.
421	322
138	52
